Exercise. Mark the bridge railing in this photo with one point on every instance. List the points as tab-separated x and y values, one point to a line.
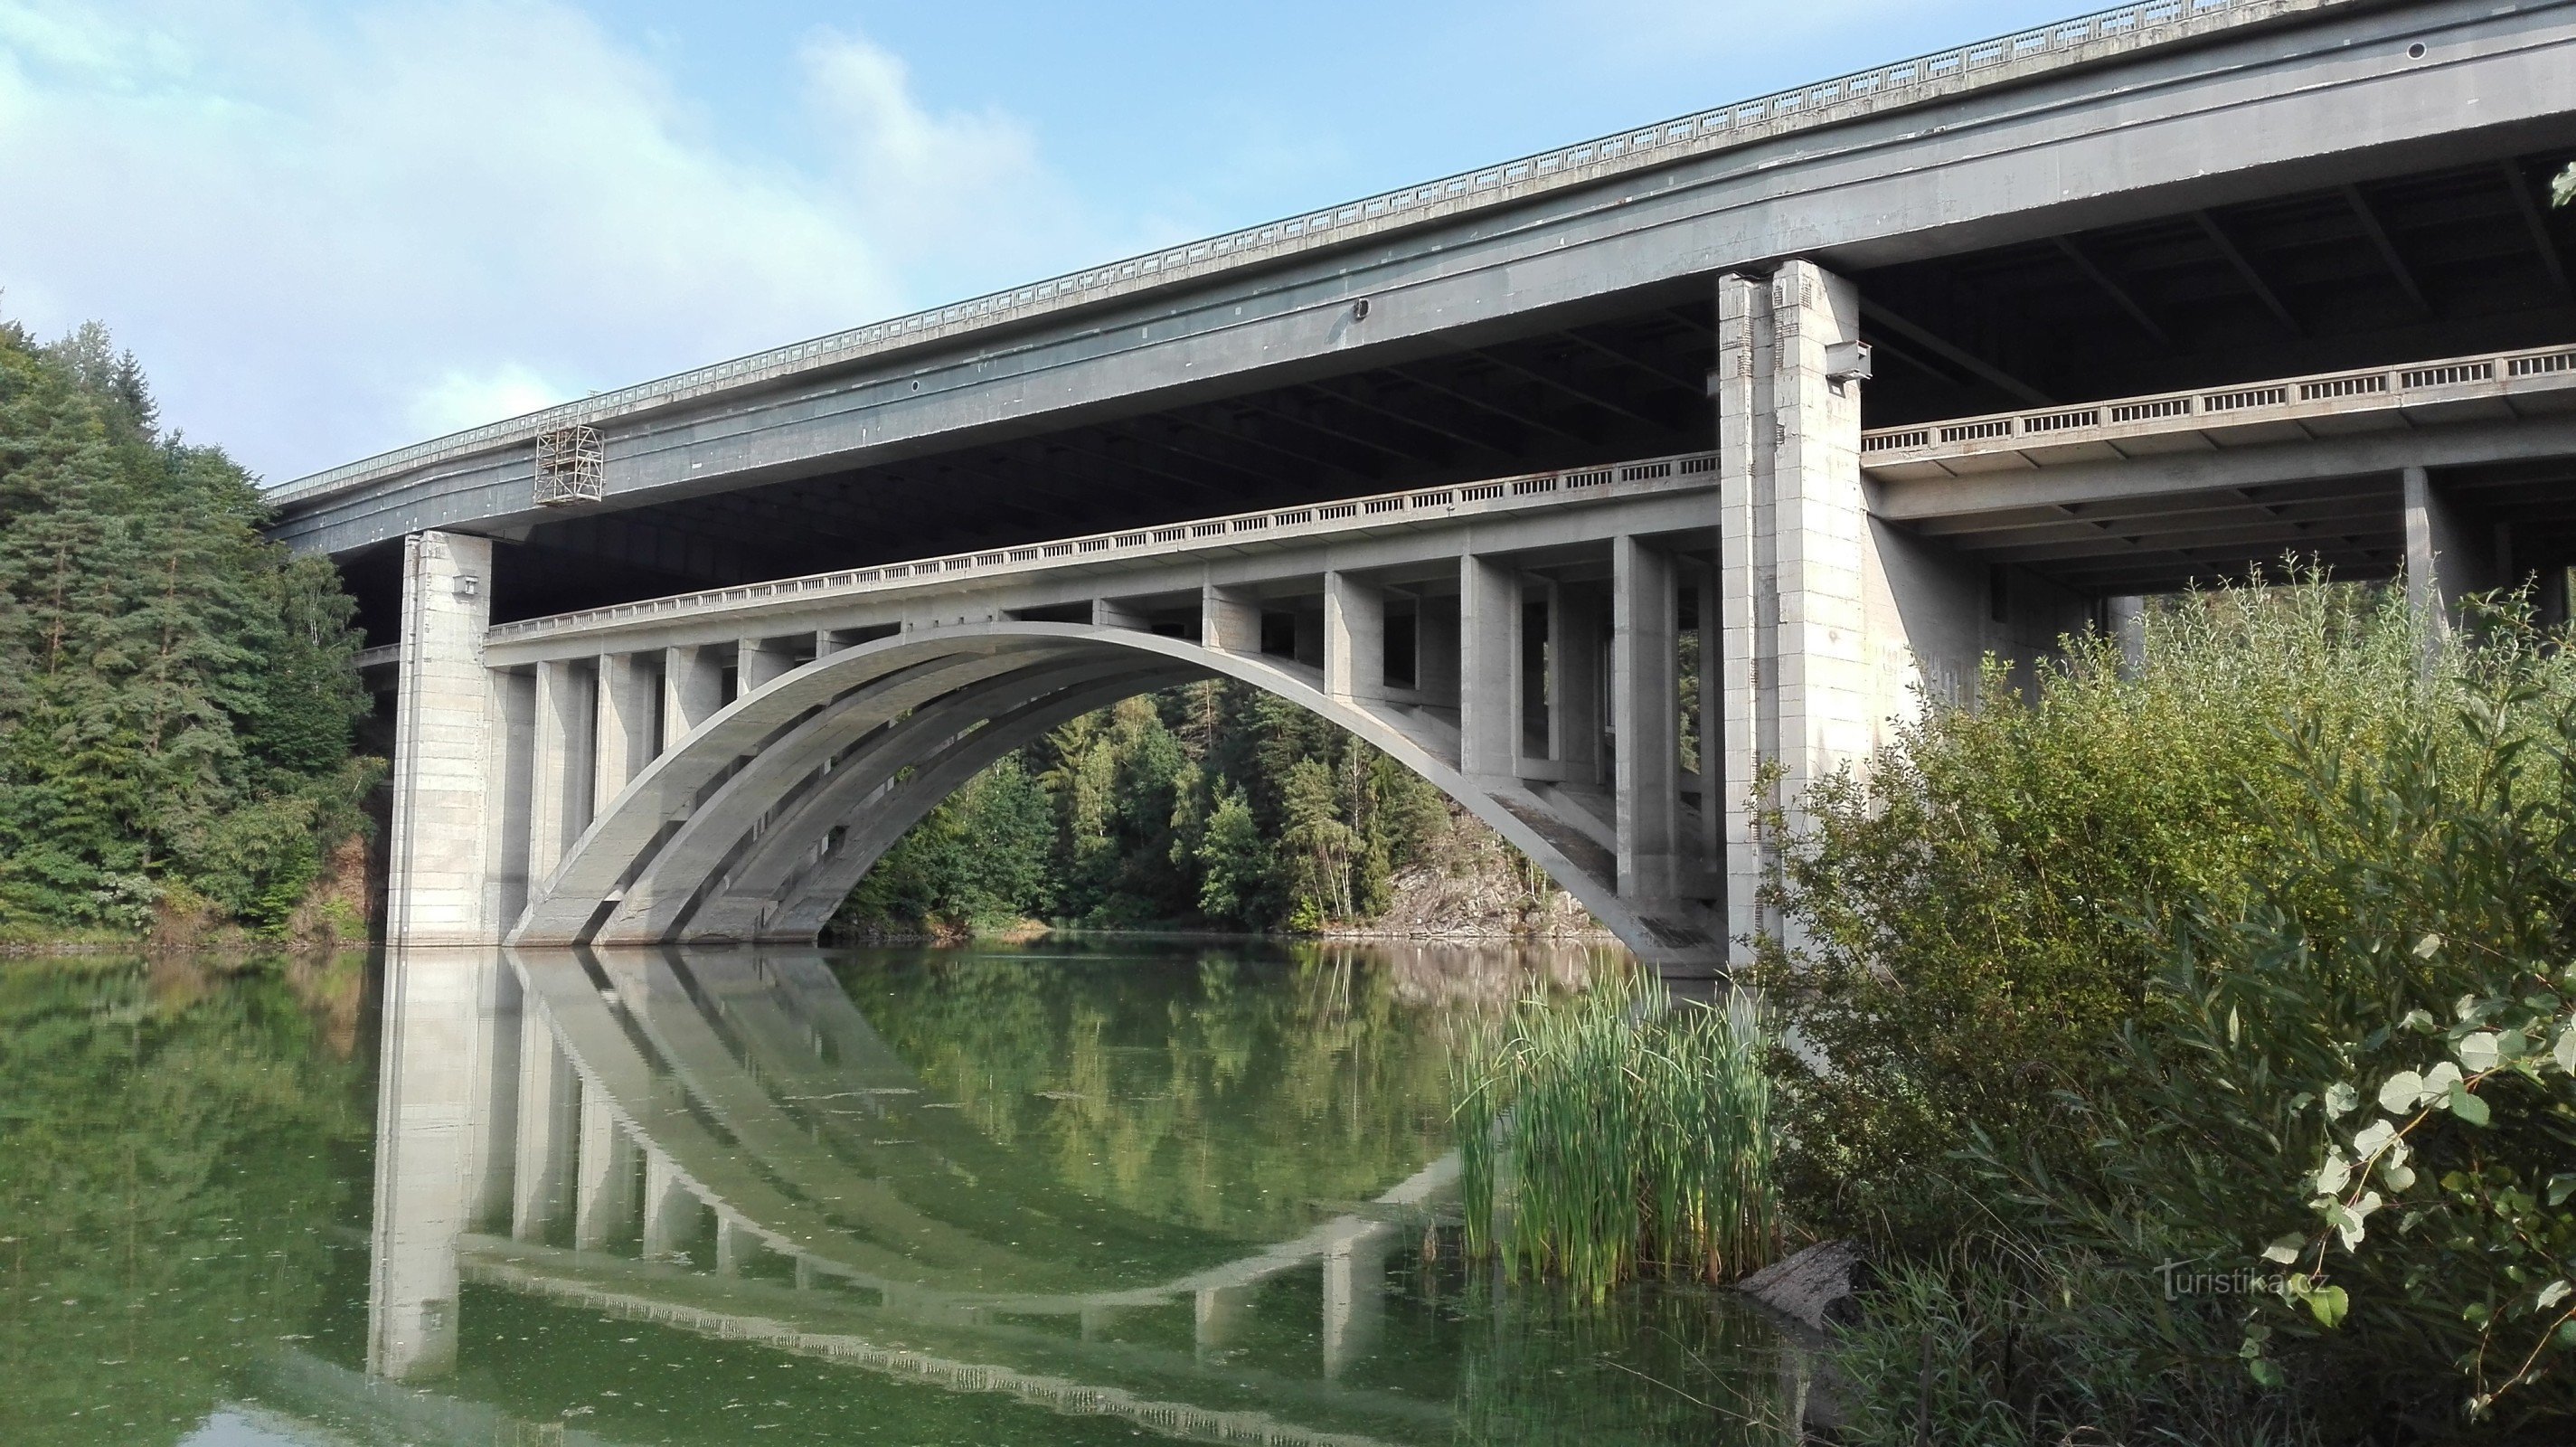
1906	82
1680	472
2258	408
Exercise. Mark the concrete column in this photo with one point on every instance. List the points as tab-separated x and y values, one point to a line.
567	715
1218	1314
670	1210
734	1245
2446	560
1108	613
756	662
509	810
2126	620
1489	632
549	1122
443	760
627	703
604	1203
1435	651
1574	686
1645	703
1354	639
433	1112
1354	1298
1229	619
692	690
1822	613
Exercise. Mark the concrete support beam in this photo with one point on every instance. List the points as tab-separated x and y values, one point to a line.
629	699
445	718
1489	632
549	1124
735	1244
604	1199
1646	706
692	690
1354	639
563	769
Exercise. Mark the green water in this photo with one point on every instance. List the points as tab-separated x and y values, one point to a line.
1068	1193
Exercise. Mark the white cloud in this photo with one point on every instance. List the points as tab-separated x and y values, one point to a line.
327	234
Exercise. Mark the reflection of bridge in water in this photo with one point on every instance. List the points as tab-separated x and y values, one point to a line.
723	1144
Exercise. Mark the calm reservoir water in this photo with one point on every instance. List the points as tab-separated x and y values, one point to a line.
1068	1193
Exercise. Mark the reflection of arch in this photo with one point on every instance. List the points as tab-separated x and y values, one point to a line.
635	1131
759	820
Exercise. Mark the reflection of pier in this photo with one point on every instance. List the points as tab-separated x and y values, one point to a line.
725	1145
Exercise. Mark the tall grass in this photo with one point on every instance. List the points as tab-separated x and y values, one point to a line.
1619	1133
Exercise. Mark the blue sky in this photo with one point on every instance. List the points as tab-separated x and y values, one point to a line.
332	229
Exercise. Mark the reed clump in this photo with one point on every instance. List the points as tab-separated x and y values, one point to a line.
1619	1133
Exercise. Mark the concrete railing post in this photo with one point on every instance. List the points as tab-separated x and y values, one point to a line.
1645	700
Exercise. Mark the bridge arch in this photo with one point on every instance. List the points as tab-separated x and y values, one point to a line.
755	824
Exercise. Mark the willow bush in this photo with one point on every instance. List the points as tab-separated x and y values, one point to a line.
1619	1133
2226	1000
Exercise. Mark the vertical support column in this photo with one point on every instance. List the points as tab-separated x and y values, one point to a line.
756	662
605	1199
1110	613
692	690
432	1110
2125	618
566	724
1489	633
1574	691
670	1212
443	768
1217	1315
1808	617
1354	1296
1354	639
549	1124
734	1245
1229	620
2446	560
625	730
1645	703
1435	651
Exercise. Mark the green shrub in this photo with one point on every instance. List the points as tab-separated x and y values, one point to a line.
1967	914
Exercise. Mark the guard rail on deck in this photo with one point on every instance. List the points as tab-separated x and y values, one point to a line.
2085	38
1416	506
2497	384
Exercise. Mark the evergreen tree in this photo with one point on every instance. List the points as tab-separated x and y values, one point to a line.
177	695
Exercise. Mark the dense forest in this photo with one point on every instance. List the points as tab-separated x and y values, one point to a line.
177	695
1212	804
